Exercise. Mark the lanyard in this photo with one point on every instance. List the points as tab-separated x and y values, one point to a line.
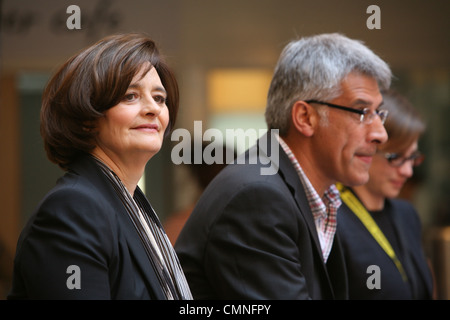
360	211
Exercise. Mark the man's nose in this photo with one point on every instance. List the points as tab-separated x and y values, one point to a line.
377	132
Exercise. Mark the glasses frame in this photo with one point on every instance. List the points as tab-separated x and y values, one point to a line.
366	111
397	161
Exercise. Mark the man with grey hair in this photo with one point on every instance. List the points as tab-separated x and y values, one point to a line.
255	236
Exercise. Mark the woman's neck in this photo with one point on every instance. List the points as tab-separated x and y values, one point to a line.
129	172
372	201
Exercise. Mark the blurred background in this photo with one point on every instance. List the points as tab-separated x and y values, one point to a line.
223	54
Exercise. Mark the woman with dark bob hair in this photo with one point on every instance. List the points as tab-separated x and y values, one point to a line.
104	114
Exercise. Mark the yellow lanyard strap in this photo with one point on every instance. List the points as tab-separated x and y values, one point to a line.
360	211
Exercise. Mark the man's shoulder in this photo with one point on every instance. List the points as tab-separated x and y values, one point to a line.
238	177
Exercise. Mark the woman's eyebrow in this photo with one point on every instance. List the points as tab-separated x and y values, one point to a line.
138	85
162	89
135	85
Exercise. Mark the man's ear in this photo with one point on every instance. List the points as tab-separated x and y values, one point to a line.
304	118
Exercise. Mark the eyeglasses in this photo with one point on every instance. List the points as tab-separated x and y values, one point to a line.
396	160
366	115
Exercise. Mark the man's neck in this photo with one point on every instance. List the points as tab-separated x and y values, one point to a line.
319	181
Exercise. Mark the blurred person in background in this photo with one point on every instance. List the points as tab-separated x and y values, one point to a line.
104	115
202	173
378	230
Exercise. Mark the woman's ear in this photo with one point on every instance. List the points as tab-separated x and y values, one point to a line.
304	118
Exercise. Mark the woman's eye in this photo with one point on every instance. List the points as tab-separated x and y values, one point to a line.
130	97
160	99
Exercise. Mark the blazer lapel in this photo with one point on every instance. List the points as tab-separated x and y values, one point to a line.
302	203
293	181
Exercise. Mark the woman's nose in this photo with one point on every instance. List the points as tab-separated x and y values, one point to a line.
406	169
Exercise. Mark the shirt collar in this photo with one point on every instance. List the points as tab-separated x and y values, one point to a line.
331	197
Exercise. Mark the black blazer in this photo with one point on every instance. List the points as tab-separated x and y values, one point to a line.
361	250
253	236
82	222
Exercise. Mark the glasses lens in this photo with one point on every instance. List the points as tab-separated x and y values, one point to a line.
418	159
368	116
395	160
383	115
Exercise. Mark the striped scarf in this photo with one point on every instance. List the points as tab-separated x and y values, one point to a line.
151	233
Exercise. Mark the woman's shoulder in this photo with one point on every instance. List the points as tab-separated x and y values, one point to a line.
75	197
73	188
73	211
405	213
402	203
402	207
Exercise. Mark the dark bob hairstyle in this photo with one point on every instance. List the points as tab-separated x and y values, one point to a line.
90	83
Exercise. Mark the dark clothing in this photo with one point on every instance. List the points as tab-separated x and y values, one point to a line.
400	224
252	236
82	222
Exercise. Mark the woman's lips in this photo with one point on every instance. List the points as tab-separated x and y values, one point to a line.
398	183
147	128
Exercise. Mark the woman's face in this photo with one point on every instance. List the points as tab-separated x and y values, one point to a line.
136	125
387	180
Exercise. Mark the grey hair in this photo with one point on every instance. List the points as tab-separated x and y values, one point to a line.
313	68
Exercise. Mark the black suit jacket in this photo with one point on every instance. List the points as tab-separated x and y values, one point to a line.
252	236
361	250
82	222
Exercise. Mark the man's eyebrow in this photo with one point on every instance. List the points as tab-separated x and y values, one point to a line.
361	102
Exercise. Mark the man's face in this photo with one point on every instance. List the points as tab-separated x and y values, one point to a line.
347	145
